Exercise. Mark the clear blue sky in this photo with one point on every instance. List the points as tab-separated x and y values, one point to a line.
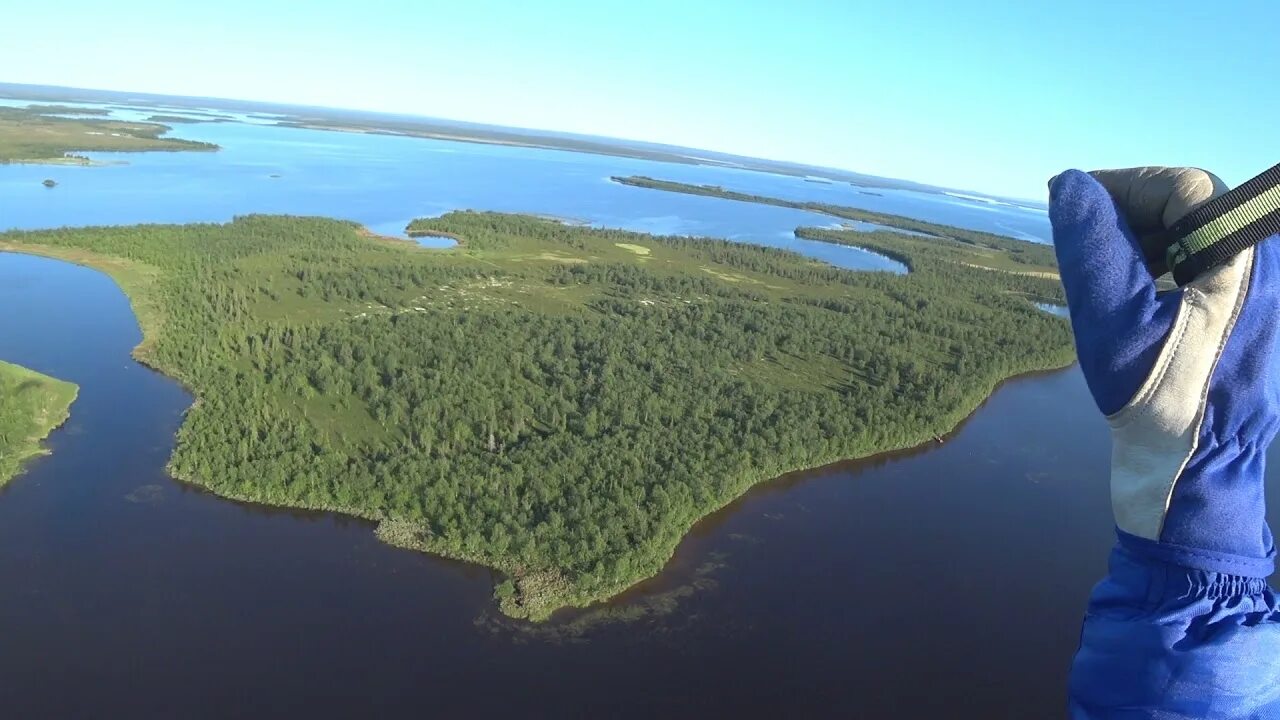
990	96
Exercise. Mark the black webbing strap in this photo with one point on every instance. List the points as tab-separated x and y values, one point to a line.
1225	226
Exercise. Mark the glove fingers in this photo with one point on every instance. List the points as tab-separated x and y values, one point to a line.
1119	322
1154	198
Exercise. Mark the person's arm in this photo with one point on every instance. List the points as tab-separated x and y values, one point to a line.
1185	624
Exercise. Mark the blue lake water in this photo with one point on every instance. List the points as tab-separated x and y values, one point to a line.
384	181
943	582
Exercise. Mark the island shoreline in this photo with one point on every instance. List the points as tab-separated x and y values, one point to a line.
385	529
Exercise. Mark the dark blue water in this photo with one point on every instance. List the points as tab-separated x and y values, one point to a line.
832	592
945	582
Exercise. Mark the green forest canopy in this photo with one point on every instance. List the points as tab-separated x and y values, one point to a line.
31	406
32	135
548	400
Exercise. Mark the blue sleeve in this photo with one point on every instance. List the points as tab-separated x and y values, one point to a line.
1166	642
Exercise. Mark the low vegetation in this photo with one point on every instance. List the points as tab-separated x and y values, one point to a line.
28	135
31	406
557	402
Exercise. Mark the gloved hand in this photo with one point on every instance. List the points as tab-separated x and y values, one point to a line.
1185	624
1189	379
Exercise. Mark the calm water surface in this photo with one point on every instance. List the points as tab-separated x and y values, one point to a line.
946	582
820	593
385	181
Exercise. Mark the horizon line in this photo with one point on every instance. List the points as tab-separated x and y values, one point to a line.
535	131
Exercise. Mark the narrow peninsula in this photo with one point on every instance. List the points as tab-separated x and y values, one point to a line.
559	403
35	135
973	247
31	406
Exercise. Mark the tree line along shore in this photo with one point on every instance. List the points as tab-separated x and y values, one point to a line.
557	402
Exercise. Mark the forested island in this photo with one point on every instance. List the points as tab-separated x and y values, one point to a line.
32	135
31	406
557	402
983	249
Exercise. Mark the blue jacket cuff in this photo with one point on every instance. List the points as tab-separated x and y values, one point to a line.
1198	559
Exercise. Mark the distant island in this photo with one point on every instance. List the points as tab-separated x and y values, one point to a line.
33	135
31	406
181	119
557	402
